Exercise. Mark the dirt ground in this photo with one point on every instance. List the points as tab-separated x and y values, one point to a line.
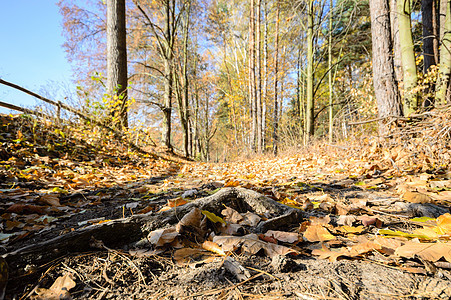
115	274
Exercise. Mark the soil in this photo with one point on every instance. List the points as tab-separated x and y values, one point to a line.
115	274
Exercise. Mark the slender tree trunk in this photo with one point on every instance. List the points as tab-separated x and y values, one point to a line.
168	73
407	57
331	111
276	82
310	78
385	86
117	60
252	91
259	79
445	57
265	74
430	37
394	29
184	107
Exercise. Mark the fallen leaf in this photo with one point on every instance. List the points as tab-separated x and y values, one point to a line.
250	219
59	289
251	244
317	233
161	237
213	247
370	220
231	215
346	220
350	229
50	199
427	251
212	217
283	236
415	197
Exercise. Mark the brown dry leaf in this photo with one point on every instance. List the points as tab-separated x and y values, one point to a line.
443	196
176	202
346	220
161	237
332	255
319	220
389	245
59	289
50	199
364	246
283	236
427	251
213	247
26	209
188	255
231	215
232	229
251	244
370	220
192	219
415	197
317	233
250	219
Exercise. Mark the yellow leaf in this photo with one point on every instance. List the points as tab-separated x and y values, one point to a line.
350	229
212	217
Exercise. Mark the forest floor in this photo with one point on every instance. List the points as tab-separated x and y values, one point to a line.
372	219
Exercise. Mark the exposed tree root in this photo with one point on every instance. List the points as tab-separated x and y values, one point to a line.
122	232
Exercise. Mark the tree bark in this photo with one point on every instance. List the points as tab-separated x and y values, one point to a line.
442	95
168	74
117	61
394	30
430	43
409	67
329	48
252	90
310	76
276	82
259	78
385	85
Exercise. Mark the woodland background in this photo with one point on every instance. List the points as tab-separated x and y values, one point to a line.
218	80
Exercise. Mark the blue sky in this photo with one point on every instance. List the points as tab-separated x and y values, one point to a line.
31	54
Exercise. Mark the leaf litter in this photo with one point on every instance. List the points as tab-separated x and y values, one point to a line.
376	214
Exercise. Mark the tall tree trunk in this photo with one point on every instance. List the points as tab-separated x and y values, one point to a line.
385	86
184	115
276	82
117	60
265	74
310	78
394	30
168	74
407	57
430	39
331	110
259	79
443	81
252	91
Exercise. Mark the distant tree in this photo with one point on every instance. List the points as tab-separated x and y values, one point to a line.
409	67
429	15
443	81
117	60
385	86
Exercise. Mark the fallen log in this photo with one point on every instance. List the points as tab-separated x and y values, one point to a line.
122	233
